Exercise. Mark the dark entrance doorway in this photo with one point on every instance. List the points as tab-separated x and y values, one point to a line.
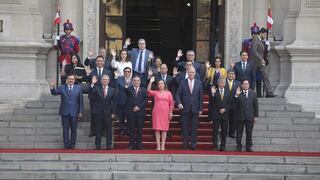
166	25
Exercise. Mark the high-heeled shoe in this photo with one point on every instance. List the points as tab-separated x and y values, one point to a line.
162	148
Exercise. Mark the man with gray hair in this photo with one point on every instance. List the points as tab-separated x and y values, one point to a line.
189	100
140	58
219	104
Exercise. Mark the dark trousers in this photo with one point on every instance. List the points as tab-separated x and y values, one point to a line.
232	121
249	128
67	123
143	78
92	119
135	125
192	119
259	86
223	123
122	115
103	123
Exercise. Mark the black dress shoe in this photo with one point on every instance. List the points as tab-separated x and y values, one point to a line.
239	148
98	147
215	147
271	96
249	150
185	147
232	136
66	147
139	147
222	148
109	148
72	146
130	148
92	134
193	148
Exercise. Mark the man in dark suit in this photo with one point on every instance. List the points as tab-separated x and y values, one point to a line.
180	76
219	102
257	51
91	62
103	108
135	108
98	72
163	75
71	108
140	59
232	85
245	70
189	100
190	55
247	108
121	99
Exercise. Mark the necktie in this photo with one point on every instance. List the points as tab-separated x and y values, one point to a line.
70	88
190	87
140	62
99	73
104	91
230	84
246	94
243	66
163	77
136	91
221	94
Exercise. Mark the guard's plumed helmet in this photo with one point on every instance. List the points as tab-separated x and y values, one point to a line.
68	25
255	29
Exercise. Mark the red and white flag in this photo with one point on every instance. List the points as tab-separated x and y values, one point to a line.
57	19
269	19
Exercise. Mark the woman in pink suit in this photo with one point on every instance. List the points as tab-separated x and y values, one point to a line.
162	111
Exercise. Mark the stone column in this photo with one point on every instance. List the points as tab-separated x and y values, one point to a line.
21	50
233	30
304	51
90	26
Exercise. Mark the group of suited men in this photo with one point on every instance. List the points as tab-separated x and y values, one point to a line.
231	103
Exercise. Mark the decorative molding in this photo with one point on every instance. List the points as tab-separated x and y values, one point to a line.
312	4
91	25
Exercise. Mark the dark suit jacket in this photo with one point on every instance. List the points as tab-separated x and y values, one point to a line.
105	71
256	52
71	103
120	88
101	104
134	53
247	108
92	63
189	101
169	80
197	66
182	76
215	104
249	73
140	100
235	85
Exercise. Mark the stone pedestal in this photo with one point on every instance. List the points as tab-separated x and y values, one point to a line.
301	58
22	51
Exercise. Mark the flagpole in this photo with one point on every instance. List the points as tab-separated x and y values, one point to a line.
58	54
267	20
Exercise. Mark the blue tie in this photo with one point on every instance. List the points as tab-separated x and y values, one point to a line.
140	62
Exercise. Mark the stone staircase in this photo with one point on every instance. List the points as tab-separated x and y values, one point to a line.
156	167
280	127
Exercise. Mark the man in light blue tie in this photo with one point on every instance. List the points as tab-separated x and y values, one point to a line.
139	58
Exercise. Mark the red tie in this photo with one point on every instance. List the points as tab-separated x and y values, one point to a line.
104	91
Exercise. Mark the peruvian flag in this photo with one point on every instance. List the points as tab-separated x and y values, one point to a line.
269	19
57	19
